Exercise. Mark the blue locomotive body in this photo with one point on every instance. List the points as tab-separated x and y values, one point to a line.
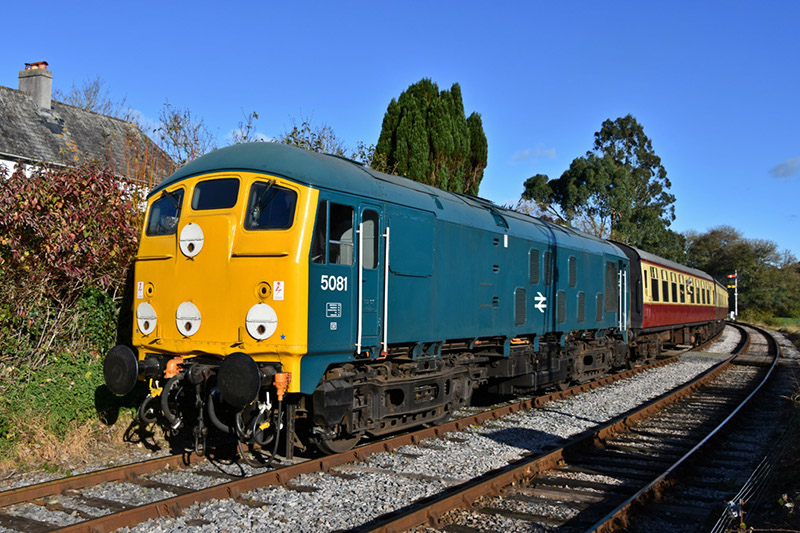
413	298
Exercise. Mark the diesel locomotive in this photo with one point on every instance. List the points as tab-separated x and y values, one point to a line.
285	294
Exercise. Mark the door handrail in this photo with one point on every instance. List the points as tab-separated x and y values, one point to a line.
360	283
385	350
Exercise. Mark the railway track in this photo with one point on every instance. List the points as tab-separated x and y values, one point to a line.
603	479
147	489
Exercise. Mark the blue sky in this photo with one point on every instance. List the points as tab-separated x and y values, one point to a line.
714	84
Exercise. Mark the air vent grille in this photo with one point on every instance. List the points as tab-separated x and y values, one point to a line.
561	307
520	307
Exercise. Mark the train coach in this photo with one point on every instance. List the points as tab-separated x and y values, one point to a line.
281	293
673	304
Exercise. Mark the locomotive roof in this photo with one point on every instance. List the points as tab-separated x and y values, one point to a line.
331	172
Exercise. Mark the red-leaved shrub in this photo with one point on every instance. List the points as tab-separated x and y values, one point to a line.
70	228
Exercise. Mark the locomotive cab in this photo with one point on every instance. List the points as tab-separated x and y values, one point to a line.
221	274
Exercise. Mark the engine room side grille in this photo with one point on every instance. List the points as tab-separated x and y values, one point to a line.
599	307
581	306
573	271
534	266
520	307
548	268
561	306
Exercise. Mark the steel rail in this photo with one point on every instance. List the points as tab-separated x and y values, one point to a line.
233	489
430	510
88	479
618	517
131	471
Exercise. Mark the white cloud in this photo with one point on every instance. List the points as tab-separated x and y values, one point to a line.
146	124
534	153
787	169
255	136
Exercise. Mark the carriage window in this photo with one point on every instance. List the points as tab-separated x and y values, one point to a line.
340	249
369	219
270	207
683	294
665	289
675	292
165	213
320	237
654	288
215	194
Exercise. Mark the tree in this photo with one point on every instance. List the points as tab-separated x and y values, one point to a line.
314	137
618	190
769	281
246	131
93	96
426	137
321	138
182	136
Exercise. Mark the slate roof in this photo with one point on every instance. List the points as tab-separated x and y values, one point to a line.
65	133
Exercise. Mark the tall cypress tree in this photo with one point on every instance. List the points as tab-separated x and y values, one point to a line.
427	137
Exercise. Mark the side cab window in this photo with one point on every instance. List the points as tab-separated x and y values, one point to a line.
332	242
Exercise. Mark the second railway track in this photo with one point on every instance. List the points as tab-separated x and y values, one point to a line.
602	481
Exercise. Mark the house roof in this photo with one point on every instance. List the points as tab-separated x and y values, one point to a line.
64	134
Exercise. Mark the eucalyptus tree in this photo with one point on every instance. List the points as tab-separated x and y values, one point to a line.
618	190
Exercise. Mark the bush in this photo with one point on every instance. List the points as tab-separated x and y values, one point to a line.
67	236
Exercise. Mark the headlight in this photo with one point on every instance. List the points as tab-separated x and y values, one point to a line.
187	318
261	321
146	318
191	239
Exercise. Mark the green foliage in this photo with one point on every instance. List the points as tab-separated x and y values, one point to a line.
67	236
99	319
62	393
321	138
314	137
618	190
426	137
769	281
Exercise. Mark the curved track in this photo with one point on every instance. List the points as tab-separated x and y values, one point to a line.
67	496
598	481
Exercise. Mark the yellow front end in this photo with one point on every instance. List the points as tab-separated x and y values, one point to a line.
214	278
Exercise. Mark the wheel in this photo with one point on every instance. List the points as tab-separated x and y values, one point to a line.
337	444
562	385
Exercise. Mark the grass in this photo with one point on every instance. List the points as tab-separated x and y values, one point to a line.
793	323
60	414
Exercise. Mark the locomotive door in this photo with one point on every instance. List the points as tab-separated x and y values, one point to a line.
370	265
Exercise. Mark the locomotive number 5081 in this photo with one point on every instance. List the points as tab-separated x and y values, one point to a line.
334	283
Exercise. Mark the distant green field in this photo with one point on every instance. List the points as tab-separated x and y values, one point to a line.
787	321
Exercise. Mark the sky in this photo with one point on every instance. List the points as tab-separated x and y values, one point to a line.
715	85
